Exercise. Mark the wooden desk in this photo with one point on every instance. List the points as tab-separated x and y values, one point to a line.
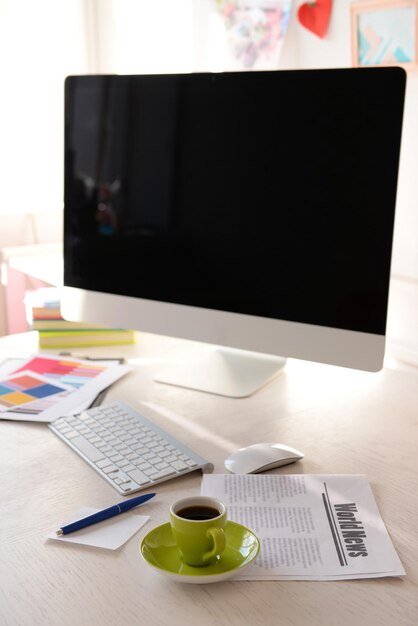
344	421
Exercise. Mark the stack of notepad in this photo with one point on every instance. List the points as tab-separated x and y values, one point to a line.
44	315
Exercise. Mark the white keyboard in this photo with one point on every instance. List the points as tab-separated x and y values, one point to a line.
125	448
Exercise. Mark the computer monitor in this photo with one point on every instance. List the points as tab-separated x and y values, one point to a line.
252	210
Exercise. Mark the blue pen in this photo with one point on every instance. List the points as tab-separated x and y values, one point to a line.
116	509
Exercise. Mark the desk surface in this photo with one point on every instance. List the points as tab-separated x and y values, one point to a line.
344	421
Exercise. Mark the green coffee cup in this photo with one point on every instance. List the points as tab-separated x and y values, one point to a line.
197	524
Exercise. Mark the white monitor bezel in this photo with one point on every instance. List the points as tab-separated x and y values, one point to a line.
334	346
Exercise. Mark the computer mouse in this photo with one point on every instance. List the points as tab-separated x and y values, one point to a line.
261	457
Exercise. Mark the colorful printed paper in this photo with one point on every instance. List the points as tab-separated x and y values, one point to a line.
64	371
44	388
29	394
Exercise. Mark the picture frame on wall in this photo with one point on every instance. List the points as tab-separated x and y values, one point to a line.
385	33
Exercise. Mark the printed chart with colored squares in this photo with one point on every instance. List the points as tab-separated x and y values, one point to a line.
62	371
45	388
28	393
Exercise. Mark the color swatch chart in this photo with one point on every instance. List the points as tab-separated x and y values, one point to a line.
64	371
44	388
28	393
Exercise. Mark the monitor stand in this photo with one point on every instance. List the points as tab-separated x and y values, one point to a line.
224	371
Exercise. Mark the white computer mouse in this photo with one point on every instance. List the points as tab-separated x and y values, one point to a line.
261	457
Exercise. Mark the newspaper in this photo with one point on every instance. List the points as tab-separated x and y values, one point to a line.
310	527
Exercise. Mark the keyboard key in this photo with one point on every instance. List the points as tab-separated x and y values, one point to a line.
116	457
71	434
153	459
103	463
164	474
92	453
150	472
122	463
139	477
179	465
129	486
162	465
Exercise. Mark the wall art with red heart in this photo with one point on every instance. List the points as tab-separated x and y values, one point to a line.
315	16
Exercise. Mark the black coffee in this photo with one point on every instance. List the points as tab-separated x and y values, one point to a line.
198	513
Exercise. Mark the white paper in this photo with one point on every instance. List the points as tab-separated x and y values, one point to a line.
110	534
311	527
76	396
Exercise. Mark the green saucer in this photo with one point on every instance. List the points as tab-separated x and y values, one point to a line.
160	551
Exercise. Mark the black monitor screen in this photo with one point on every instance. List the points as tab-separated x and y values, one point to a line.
265	193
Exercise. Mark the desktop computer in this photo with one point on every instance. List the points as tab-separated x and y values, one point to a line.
252	211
